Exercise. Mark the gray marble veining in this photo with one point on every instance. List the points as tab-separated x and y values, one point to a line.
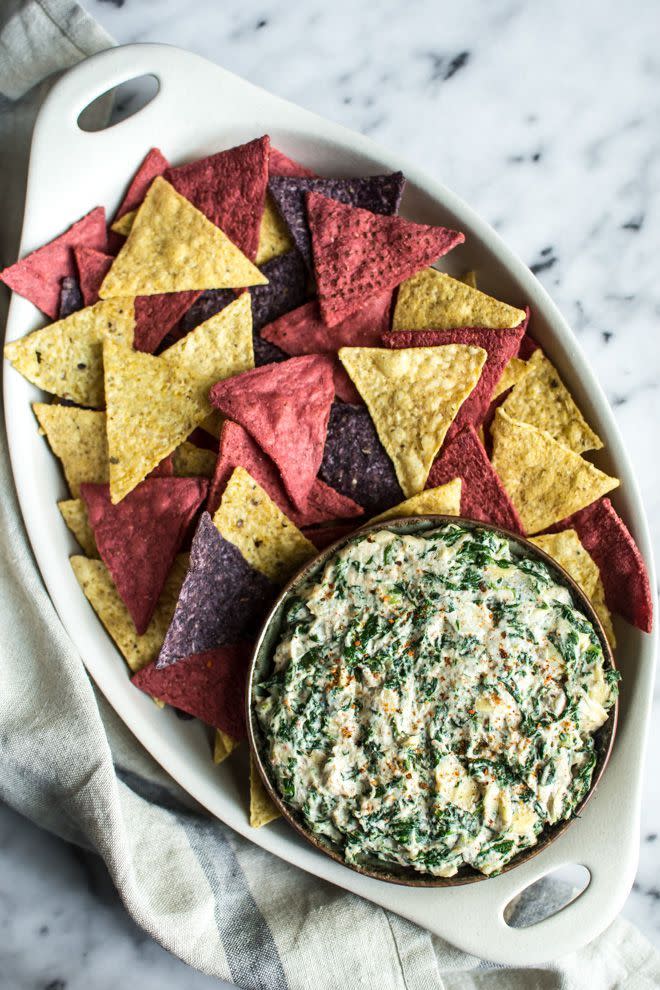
546	119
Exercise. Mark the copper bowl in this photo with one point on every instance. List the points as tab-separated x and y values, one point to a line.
261	664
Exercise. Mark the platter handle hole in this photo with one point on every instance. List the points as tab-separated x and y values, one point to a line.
119	103
547	896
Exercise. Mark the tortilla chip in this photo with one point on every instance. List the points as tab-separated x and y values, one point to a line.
355	462
442	501
94	579
281	164
527	345
238	449
78	438
74	513
222	599
303	331
358	254
482	496
266	538
124	225
230	189
262	809
190	461
172	247
223	746
432	300
71	299
92	267
413	396
599	606
274	237
209	686
66	358
38	276
139	538
499	345
542	400
514	371
565	547
287	288
625	579
285	408
469	278
154	403
377	193
153	164
545	480
154	315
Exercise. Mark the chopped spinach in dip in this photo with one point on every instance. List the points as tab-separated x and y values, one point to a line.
433	700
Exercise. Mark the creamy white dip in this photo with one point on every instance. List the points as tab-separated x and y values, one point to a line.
433	701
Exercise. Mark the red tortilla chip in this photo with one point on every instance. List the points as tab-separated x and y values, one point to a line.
154	315
285	408
302	331
358	254
92	267
281	164
527	345
482	495
153	164
605	536
238	449
230	189
500	345
139	537
210	686
38	276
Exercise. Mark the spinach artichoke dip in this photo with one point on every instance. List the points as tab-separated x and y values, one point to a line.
432	701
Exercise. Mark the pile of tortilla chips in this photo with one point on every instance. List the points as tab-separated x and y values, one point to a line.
252	362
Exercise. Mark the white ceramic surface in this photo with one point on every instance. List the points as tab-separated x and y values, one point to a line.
200	108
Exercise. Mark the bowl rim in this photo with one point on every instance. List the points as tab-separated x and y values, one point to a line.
409	877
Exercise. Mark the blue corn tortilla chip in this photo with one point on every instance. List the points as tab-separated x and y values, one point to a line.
354	460
266	353
221	599
286	290
71	299
378	193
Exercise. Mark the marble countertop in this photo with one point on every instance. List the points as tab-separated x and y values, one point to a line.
545	118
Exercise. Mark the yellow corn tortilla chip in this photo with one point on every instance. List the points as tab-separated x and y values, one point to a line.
173	247
154	403
267	539
78	438
223	746
443	501
74	513
468	278
213	423
545	480
124	224
602	611
514	371
190	461
94	579
262	809
274	236
431	300
542	400
413	395
566	549
66	358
